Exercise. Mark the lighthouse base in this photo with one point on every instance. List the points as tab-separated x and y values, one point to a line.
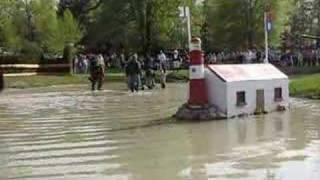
205	113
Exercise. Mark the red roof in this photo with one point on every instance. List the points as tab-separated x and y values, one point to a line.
247	72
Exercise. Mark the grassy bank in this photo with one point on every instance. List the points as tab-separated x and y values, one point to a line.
50	80
306	86
178	76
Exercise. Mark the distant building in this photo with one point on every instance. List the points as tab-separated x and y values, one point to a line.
247	89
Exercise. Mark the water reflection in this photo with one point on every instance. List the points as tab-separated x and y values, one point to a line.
77	134
269	147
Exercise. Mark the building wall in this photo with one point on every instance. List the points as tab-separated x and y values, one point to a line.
250	87
217	91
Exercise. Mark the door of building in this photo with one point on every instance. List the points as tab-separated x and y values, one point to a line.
260	101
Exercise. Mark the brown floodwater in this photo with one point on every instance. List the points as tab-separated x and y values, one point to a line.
71	133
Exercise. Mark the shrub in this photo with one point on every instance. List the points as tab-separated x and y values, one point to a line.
31	50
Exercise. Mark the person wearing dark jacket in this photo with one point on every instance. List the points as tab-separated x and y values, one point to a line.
97	73
133	71
149	72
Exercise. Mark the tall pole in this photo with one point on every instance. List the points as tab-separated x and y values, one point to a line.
188	14
266	60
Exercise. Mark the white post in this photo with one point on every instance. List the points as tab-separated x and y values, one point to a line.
266	60
188	15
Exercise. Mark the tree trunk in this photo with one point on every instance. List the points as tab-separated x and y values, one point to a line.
30	30
251	34
148	30
140	13
68	56
249	24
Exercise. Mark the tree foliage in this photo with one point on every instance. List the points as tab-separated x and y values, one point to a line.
47	26
142	24
81	9
32	27
304	20
240	24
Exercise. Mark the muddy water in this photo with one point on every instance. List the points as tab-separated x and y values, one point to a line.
115	135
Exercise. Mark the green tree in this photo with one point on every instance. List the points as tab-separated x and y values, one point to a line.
5	13
239	24
304	20
32	27
10	17
81	9
143	25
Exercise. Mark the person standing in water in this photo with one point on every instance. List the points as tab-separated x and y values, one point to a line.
163	68
133	71
149	72
97	72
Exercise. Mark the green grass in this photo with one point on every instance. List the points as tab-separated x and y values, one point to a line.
24	82
307	86
181	75
175	76
51	80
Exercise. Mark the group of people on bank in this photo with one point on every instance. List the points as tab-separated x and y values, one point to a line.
301	58
176	59
140	73
242	57
307	56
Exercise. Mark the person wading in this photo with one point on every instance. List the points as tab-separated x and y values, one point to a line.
150	75
133	70
163	69
97	73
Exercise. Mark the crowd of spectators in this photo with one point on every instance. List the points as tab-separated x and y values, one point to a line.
174	60
179	59
297	58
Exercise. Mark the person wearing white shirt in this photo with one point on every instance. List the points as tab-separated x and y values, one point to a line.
163	68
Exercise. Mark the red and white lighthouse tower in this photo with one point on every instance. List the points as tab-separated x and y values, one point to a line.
198	96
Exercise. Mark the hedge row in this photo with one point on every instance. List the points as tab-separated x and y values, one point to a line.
300	70
38	70
23	60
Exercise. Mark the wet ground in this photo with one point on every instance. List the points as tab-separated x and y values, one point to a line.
71	133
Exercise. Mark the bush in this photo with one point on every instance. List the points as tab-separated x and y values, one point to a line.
18	59
31	50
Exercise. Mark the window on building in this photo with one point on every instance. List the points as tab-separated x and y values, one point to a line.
241	98
278	94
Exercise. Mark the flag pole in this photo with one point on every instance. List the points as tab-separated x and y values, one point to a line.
266	60
188	15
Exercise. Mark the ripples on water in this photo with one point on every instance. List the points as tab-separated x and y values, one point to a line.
72	133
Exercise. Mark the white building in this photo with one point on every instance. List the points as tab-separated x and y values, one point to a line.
246	89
